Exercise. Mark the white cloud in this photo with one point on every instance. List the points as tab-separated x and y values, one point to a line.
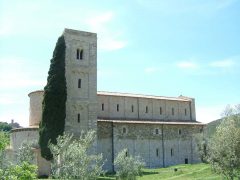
17	19
150	70
202	7
222	64
187	65
15	74
207	114
109	39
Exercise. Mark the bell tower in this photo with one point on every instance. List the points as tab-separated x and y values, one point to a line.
81	81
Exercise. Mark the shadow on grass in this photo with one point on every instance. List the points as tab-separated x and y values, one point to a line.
148	173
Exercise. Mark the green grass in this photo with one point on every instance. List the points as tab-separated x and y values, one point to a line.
184	172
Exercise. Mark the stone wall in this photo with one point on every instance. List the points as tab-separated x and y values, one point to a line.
119	106
81	79
35	108
159	145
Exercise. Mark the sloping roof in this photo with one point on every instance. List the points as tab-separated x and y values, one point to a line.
180	98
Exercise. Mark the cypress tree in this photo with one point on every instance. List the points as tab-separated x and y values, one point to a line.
54	101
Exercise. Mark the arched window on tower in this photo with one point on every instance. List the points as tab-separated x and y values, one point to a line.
78	54
81	54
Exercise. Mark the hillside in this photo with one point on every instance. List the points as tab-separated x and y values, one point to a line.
211	127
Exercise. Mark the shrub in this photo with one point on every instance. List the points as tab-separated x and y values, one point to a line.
128	167
72	158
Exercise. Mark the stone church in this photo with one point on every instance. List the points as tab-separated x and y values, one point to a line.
158	128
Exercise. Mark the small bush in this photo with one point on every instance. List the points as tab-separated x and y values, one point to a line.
128	167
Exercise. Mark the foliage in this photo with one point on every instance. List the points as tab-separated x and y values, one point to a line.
224	146
54	110
4	140
202	146
24	169
4	126
19	172
128	167
25	153
71	158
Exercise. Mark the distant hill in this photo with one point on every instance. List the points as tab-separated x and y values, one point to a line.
211	127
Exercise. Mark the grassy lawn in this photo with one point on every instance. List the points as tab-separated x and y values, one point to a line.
184	172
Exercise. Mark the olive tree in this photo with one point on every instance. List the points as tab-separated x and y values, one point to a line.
72	158
127	166
224	146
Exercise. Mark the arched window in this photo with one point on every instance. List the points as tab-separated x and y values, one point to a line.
117	107
78	54
132	108
81	54
146	109
102	107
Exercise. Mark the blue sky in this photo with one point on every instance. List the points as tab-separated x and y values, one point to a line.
166	48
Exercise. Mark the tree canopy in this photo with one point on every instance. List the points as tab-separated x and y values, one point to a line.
54	101
224	146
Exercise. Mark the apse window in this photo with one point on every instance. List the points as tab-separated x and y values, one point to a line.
79	83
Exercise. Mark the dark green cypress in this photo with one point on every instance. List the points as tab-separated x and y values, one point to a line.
54	101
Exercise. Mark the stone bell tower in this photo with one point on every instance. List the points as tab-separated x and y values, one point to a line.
81	80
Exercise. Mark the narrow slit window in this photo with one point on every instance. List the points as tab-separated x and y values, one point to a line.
126	153
81	54
160	110
132	108
172	111
172	152
185	111
78	118
157	152
179	131
102	107
117	107
78	54
124	130
156	131
79	83
146	109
